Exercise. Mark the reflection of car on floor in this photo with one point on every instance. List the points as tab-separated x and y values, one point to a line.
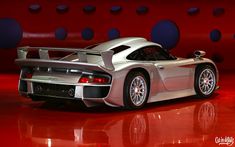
125	72
188	124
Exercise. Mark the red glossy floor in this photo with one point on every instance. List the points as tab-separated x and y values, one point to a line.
187	122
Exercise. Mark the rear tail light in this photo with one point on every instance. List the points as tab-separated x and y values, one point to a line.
100	80
84	80
94	79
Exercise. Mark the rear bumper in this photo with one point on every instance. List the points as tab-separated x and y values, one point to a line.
86	92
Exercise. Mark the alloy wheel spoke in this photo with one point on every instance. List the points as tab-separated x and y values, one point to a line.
138	90
207	81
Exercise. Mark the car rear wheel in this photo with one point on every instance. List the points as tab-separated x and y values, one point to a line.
135	90
205	81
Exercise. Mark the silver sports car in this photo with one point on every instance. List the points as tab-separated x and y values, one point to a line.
125	72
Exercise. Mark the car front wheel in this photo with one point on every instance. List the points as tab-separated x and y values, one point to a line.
205	81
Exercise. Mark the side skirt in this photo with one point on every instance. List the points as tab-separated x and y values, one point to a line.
171	95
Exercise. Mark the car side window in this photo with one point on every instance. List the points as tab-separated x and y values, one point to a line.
149	53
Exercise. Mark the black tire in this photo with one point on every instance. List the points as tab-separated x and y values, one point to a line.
205	86
127	99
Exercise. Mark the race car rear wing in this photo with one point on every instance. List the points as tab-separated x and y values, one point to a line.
46	61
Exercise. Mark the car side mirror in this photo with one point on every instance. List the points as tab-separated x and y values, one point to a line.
198	54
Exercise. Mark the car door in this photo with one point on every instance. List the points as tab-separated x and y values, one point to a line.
176	74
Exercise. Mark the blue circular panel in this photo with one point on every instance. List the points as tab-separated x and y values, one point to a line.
116	9
193	11
89	9
142	10
10	33
87	34
113	33
215	35
166	33
62	8
60	34
35	8
218	11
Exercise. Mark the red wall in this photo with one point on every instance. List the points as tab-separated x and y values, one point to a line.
38	28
